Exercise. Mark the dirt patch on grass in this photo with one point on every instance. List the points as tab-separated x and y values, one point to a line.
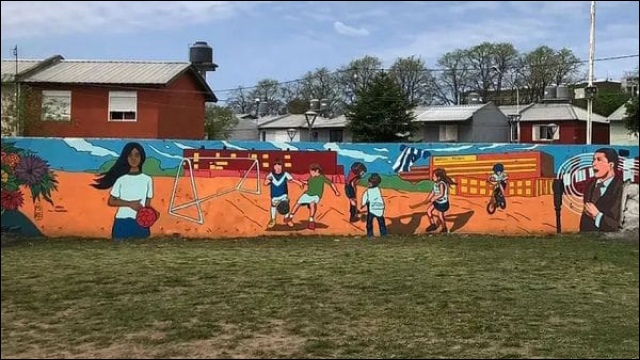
232	342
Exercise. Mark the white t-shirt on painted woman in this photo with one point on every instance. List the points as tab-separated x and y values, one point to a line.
131	188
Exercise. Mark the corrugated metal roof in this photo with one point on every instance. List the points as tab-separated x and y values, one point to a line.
9	68
558	112
513	109
109	72
619	114
292	121
447	113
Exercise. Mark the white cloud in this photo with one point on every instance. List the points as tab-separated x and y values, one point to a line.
369	14
40	18
343	29
552	8
82	145
434	43
466	6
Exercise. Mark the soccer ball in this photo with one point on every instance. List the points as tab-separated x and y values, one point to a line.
283	207
147	217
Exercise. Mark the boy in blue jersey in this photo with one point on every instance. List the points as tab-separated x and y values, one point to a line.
279	181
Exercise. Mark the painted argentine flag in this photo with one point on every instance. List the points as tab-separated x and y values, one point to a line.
408	157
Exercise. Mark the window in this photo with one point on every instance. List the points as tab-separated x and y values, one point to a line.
56	105
545	133
448	133
336	136
315	136
264	136
123	106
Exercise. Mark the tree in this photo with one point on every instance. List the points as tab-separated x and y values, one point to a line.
631	120
357	75
290	97
268	91
298	106
504	59
240	101
481	61
24	116
381	112
219	122
322	84
608	101
454	78
416	81
566	64
537	71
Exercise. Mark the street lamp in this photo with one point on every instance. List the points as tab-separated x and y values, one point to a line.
311	117
292	134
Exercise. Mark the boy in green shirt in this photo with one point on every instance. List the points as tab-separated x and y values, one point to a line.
315	190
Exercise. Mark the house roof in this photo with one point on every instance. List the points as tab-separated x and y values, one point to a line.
510	110
26	67
292	121
109	72
96	72
558	112
447	113
619	114
9	68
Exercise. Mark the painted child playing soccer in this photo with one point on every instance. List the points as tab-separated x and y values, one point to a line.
313	196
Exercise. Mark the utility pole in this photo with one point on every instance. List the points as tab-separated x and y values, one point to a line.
592	52
16	85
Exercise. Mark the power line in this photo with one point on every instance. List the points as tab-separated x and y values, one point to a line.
429	70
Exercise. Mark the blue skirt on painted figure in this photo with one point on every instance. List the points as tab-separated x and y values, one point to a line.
128	229
442	207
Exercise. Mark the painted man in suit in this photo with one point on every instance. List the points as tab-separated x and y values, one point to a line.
603	196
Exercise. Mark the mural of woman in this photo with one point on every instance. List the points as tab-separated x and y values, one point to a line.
131	192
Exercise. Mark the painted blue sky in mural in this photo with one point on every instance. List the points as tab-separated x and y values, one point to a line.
91	154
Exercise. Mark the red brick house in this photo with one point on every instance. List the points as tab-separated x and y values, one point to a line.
534	125
118	99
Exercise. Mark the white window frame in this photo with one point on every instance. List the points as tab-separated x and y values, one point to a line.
536	133
123	94
515	132
56	94
445	130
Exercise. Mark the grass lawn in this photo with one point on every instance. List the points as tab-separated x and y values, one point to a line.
467	297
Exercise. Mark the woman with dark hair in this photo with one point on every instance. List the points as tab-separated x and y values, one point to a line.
439	199
131	191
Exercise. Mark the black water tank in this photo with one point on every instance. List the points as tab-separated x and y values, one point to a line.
201	53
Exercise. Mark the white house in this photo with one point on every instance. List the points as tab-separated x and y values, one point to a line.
619	134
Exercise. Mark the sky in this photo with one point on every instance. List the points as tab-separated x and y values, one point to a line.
253	40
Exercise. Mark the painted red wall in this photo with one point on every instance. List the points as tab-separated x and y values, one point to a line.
571	132
175	112
182	113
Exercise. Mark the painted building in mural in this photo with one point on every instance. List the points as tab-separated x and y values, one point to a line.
121	189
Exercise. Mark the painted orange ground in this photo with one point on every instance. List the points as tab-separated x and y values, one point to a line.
81	210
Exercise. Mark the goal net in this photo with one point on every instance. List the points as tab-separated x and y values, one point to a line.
246	170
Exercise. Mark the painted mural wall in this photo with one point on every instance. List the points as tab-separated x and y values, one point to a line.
120	189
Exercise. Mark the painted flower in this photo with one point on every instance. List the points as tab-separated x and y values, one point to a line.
4	154
5	177
12	200
31	170
11	160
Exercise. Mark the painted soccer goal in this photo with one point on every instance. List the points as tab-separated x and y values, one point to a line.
246	169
